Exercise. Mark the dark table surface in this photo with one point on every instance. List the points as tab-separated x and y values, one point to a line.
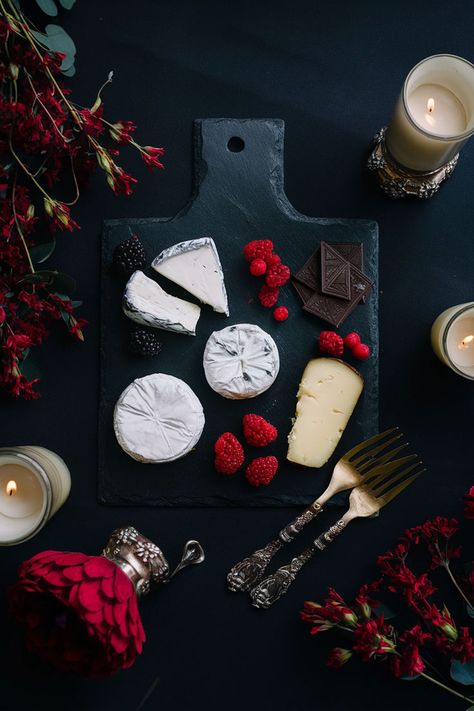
332	71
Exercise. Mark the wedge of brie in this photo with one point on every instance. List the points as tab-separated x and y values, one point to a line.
195	266
145	302
328	393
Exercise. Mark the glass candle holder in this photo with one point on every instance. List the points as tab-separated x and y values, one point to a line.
433	119
34	484
452	339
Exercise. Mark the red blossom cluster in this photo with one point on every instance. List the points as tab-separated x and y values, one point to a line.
435	628
45	139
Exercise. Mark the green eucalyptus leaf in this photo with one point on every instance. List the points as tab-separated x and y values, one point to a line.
30	369
471	708
59	40
40	252
69	72
470	610
57	281
384	609
48	7
463	673
67	4
410	678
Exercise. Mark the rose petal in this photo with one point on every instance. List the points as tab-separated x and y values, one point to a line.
74	573
56	578
89	596
122	586
109	615
67	559
118	643
98	567
107	587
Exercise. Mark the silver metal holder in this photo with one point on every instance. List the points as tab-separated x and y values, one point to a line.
140	559
398	181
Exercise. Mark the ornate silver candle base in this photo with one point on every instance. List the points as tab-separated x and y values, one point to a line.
398	181
143	561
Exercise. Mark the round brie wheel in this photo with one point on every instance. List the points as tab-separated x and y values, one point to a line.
158	419
241	361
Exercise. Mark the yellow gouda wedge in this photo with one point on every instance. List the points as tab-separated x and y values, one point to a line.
328	393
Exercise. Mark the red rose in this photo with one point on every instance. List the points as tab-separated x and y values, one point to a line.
79	612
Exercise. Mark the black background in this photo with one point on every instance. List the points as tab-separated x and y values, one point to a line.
332	71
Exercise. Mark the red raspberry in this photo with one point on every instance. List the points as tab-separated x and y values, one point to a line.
257	431
229	454
268	296
258	249
352	340
361	351
277	275
258	267
331	342
261	471
273	260
280	314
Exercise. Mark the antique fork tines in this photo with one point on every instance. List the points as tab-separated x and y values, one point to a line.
365	500
350	471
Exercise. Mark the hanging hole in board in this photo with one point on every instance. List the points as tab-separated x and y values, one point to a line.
235	144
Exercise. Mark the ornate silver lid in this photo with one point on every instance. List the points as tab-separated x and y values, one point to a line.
140	559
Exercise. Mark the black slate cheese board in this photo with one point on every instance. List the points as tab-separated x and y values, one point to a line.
238	196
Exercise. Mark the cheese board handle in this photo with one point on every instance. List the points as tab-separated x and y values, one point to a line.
237	159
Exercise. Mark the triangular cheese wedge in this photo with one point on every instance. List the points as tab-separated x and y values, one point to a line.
195	266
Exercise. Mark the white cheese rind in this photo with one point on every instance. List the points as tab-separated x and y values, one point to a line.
241	361
195	266
327	395
145	302
158	419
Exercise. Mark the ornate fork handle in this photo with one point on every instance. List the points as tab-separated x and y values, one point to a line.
271	588
248	571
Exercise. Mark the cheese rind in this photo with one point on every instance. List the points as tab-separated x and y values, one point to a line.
195	266
241	361
145	302
158	418
327	395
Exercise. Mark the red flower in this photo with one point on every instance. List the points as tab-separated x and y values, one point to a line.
78	612
121	131
373	637
338	657
60	215
469	508
151	156
409	661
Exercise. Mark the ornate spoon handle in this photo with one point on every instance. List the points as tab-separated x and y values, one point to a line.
247	572
271	588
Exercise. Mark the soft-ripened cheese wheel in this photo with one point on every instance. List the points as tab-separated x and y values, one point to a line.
328	393
241	361
158	418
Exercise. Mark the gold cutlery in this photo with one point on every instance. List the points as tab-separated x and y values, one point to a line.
379	488
350	471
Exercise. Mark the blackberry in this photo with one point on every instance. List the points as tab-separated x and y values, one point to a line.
144	342
129	256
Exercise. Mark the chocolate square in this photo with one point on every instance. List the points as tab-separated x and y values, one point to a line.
310	272
336	310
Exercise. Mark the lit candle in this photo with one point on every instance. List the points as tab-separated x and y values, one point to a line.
452	338
34	484
434	115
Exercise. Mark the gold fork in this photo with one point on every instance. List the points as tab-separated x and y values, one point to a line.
365	500
349	472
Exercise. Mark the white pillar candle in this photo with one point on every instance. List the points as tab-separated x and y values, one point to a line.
434	115
34	484
452	338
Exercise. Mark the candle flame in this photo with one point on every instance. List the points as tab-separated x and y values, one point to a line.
11	488
465	343
430	104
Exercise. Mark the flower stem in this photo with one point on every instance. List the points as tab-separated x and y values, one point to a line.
443	686
458	587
